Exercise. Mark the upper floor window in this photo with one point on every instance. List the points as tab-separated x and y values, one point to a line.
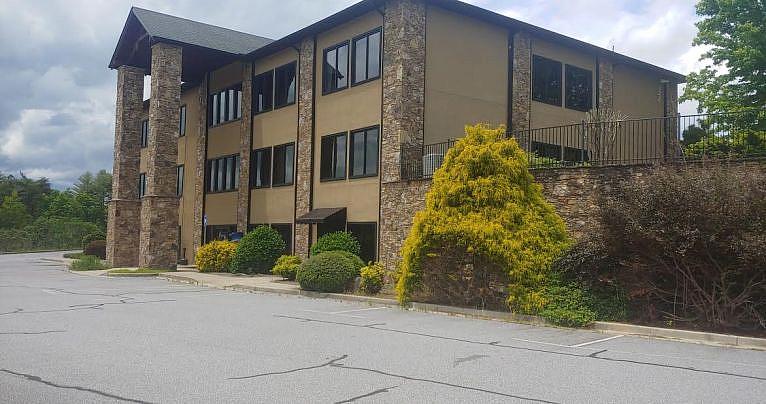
144	133
284	161
365	62
546	80
180	180
578	88
226	105
335	70
284	85
364	152
333	158
182	121
223	174
260	170
141	185
263	91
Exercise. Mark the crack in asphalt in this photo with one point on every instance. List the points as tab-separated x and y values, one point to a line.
370	394
30	332
469	358
86	306
284	372
38	379
539	350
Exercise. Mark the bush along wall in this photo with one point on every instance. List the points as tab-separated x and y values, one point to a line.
258	251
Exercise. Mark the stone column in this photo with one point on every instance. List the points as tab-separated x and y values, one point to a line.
158	241
404	57
305	149
669	92
124	208
522	84
605	83
243	193
199	168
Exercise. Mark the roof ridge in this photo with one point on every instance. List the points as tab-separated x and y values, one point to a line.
193	21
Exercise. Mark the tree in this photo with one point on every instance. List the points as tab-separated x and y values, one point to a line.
486	233
63	205
31	192
736	32
13	213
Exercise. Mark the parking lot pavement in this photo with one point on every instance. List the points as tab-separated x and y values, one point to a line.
71	338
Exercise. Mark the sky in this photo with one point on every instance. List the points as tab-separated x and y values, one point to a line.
57	105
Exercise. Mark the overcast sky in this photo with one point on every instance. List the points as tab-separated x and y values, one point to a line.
57	103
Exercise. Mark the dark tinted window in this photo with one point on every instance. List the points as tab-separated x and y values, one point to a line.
182	121
366	58
284	158
223	174
286	231
333	158
262	92
219	232
180	180
367	235
260	171
335	71
225	106
579	88
141	185
364	152
144	133
546	80
284	85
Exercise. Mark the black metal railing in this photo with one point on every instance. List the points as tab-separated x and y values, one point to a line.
730	135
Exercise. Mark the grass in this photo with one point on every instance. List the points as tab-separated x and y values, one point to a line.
87	263
74	256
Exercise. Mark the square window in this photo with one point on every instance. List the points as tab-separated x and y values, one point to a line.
579	88
546	80
284	85
333	157
263	92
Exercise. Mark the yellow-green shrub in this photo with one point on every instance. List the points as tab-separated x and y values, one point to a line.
287	266
372	278
215	256
484	217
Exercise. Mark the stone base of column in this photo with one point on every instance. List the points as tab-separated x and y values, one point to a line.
302	240
122	233
158	240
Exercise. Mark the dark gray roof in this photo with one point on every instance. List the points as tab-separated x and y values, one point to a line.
323	215
159	25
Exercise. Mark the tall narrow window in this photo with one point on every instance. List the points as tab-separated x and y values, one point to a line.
546	80
284	161
263	91
335	71
578	86
366	57
144	133
180	180
141	185
182	121
284	85
333	158
238	110
364	152
260	171
214	119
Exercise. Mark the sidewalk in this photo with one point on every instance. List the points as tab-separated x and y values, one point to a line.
222	280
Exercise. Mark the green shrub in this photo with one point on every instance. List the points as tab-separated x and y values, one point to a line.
372	278
257	251
287	266
330	271
338	241
98	235
74	256
87	263
356	263
97	248
215	256
566	305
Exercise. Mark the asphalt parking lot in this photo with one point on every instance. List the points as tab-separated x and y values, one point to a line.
75	338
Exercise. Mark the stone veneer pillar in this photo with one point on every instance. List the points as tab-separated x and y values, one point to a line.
605	83
404	58
522	81
158	241
124	208
199	169
243	193
304	147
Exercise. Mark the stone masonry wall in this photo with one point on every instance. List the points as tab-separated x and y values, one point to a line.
522	81
199	179
124	207
243	194
158	240
605	83
304	152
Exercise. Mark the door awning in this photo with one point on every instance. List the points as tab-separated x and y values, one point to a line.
323	215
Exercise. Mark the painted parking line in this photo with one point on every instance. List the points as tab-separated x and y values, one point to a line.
597	341
356	310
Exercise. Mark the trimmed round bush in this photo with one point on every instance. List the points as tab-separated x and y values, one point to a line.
338	241
215	256
372	278
287	266
257	251
356	263
96	248
98	235
330	271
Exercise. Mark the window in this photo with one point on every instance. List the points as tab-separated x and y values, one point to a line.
367	235
182	121
144	133
335	71
333	158
579	88
363	159
263	92
261	168
223	174
285	230
365	62
226	106
180	180
141	185
546	80
219	232
284	85
284	158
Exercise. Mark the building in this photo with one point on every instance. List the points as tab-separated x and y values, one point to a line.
306	133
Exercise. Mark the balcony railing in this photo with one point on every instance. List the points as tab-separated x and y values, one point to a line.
731	135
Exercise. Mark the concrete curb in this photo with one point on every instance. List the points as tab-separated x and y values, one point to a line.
129	275
698	337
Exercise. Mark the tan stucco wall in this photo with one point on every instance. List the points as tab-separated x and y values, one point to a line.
187	155
466	74
221	208
353	108
272	205
637	93
545	115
